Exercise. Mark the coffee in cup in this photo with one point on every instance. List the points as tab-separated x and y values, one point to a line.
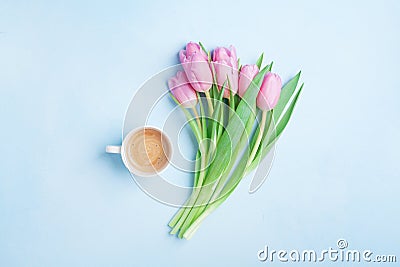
145	151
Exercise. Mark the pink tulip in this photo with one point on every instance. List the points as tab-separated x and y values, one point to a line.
226	67
182	90
195	63
246	76
269	92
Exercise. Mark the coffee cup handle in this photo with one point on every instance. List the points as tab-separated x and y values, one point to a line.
113	149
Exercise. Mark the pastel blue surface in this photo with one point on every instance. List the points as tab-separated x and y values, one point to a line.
69	69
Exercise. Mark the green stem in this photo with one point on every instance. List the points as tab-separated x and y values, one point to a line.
210	193
180	218
210	105
189	117
196	115
187	217
203	118
265	144
220	125
192	199
233	182
178	215
231	100
221	182
259	137
203	146
196	224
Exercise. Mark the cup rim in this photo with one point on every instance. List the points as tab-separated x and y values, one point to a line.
132	169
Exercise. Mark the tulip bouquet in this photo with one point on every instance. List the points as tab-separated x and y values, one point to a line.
237	113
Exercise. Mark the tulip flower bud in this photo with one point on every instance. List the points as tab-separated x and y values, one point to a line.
226	67
270	91
246	76
182	90
195	64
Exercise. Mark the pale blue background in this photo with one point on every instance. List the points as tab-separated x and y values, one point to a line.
69	69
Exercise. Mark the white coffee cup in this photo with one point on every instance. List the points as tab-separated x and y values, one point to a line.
145	151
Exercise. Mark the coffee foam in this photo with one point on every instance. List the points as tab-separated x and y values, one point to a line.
147	151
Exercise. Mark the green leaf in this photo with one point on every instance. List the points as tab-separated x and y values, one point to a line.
227	190
212	196
286	93
202	117
237	100
240	170
286	116
216	120
205	50
260	60
231	99
202	47
273	137
221	118
270	66
235	128
214	92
